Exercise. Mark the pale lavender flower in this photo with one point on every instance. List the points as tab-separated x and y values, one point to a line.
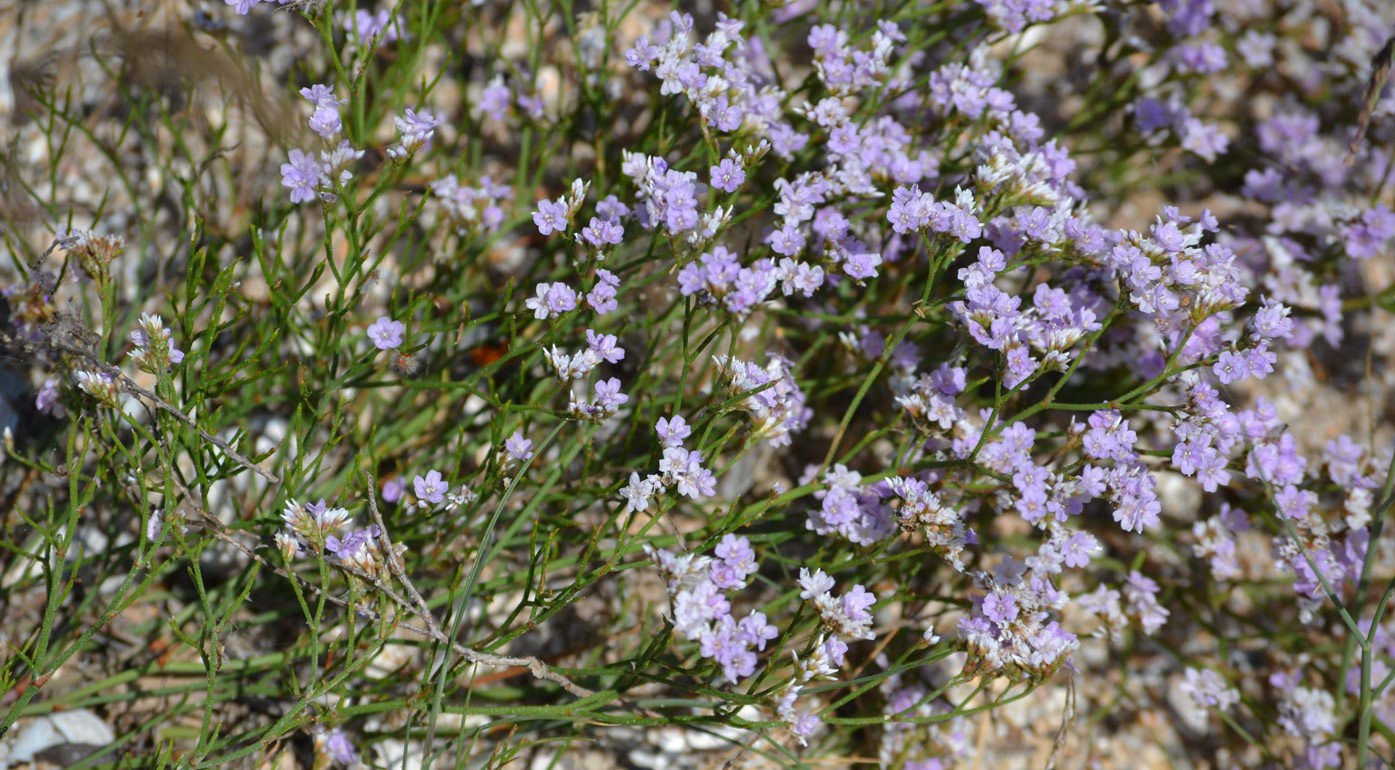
495	99
1231	367
154	525
551	216
601	232
241	7
49	400
805	727
303	176
552	299
326	122
321	95
1208	690
518	448
815	585
417	128
340	749
369	25
608	395
99	385
728	175
386	333
393	489
603	345
431	489
672	432
353	546
601	298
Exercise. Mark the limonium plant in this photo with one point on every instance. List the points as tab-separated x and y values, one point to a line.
921	385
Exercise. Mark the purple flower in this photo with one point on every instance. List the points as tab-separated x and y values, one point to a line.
353	544
608	395
1001	609
1204	139
393	489
340	749
1078	548
856	603
753	630
551	216
727	175
552	299
601	298
430	489
1141	592
1169	237
805	727
518	448
643	54
611	209
241	7
722	645
369	25
1231	367
386	333
724	115
302	176
736	561
1272	321
326	122
672	432
812	586
693	609
417	127
321	95
684	469
48	400
603	345
788	240
599	232
495	99
1189	455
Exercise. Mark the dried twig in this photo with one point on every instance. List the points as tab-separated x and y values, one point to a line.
1380	73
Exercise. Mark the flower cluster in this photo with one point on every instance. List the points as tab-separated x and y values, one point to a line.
416	128
599	347
154	352
1011	625
475	210
681	469
770	396
309	178
847	616
698	587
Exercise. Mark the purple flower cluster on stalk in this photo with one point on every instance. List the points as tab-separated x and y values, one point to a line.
308	177
680	469
699	587
316	526
472	210
154	351
369	26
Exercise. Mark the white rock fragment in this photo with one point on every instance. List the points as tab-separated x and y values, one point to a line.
76	726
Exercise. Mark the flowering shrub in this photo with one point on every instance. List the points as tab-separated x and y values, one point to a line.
777	384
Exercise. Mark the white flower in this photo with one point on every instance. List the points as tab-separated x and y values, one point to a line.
815	585
154	525
637	493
